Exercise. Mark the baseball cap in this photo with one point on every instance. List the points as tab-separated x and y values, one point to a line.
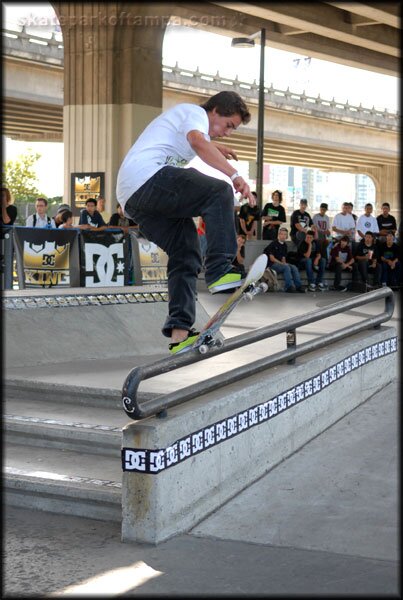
62	208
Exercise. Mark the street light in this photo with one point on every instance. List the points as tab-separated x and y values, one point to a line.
249	42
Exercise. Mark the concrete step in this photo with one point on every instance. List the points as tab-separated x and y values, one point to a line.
63	481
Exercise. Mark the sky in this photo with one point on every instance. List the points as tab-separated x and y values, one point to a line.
192	48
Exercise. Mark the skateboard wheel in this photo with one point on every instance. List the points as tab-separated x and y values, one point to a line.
203	349
248	296
219	343
263	287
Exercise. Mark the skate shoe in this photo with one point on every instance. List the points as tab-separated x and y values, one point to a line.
232	279
180	347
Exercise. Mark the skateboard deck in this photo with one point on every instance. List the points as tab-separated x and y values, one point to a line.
210	335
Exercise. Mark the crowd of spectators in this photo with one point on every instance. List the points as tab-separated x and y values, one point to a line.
368	247
365	245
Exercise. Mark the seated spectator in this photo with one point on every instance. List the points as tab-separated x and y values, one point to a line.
310	259
239	259
248	219
321	227
201	232
367	260
66	218
386	222
273	216
344	223
101	209
8	210
118	219
341	259
90	217
300	222
366	222
276	252
40	218
390	262
59	212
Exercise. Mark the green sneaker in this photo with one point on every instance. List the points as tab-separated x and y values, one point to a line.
230	280
179	347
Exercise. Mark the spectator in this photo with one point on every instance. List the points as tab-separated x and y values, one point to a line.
367	260
40	218
350	207
66	219
118	219
239	259
300	222
386	222
276	252
90	217
343	223
273	216
101	209
341	259
201	232
390	262
8	210
366	222
58	215
248	219
310	259
321	227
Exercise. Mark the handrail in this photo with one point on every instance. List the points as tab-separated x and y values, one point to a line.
137	409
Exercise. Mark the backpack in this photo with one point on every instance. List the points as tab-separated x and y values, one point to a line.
270	277
34	219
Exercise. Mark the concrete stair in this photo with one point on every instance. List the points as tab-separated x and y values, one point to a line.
62	449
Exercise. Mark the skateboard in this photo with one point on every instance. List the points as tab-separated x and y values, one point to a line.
210	337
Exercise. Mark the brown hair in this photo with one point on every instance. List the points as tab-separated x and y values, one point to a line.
227	104
7	193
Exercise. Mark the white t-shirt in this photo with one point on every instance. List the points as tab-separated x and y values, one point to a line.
162	143
365	223
41	222
343	222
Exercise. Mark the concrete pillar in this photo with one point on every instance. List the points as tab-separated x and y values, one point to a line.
386	180
112	83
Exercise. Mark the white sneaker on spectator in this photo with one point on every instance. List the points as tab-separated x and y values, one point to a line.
321	286
312	287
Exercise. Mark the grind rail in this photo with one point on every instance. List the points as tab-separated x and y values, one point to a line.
140	408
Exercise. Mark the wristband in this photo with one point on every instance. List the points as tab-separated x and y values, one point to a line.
234	176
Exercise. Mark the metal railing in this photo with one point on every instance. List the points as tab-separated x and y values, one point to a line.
139	408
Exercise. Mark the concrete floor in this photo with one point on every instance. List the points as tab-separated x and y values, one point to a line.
324	522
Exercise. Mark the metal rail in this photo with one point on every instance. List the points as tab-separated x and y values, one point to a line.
139	409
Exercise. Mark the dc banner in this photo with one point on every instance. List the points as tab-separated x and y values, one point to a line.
46	257
105	258
149	261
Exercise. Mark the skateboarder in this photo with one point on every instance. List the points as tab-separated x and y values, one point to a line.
163	198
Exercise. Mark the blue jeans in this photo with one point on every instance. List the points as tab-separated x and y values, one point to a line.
290	274
164	208
307	264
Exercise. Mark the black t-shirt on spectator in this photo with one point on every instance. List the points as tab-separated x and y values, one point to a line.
12	213
303	247
388	223
299	217
277	249
249	214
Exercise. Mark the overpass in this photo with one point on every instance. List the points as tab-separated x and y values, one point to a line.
300	130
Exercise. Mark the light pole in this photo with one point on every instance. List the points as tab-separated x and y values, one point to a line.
249	42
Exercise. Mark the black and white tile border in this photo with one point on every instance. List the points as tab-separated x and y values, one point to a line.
83	300
154	461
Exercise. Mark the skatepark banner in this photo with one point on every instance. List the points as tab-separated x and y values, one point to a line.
149	261
105	258
46	257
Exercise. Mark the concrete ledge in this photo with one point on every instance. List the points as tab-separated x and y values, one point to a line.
179	469
62	497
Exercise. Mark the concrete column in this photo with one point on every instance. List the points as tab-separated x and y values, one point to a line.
112	83
386	180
